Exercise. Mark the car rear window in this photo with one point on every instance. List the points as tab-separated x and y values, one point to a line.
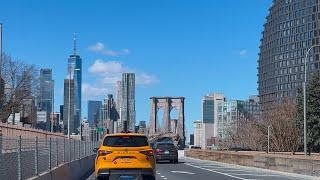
165	146
125	141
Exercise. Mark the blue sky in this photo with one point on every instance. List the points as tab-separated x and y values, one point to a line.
176	47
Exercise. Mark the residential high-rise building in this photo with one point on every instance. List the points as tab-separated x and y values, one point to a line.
291	28
118	104
128	111
75	73
54	118
197	128
69	107
46	96
94	108
110	114
142	127
209	117
28	111
61	114
234	114
191	139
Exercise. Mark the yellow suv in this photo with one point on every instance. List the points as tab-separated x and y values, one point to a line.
125	156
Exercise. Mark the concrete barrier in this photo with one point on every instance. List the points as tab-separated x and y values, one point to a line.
301	165
77	169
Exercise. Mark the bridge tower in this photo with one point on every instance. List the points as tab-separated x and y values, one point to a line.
167	104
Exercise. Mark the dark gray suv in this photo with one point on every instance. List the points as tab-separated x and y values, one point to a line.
165	151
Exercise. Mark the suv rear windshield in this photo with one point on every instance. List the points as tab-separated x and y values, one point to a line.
166	146
125	141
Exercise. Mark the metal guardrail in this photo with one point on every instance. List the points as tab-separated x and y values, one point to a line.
23	158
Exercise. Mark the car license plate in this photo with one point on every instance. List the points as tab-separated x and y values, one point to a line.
126	160
166	152
126	177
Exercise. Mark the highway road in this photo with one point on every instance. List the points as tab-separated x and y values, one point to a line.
191	169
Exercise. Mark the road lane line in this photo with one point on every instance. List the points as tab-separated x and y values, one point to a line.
225	174
246	174
182	172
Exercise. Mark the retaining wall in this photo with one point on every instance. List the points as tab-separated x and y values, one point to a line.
305	166
70	171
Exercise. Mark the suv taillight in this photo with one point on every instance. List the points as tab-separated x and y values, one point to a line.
158	150
147	153
103	152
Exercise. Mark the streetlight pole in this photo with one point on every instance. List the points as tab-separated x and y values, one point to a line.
1	49
305	100
69	99
52	105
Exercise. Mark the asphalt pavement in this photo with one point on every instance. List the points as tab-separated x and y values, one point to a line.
194	169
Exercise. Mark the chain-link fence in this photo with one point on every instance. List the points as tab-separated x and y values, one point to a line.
22	158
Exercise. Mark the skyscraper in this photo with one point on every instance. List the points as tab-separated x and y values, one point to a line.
46	96
128	111
209	117
110	114
75	73
118	104
94	112
291	28
69	107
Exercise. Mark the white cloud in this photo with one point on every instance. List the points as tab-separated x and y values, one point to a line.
100	66
145	79
109	72
92	92
103	49
243	52
106	74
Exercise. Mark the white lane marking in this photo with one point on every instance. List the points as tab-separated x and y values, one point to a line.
215	171
162	176
158	173
244	174
165	178
182	172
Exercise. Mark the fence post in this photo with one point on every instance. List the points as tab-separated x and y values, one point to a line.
74	149
70	148
57	152
19	158
85	148
36	152
64	150
0	141
49	152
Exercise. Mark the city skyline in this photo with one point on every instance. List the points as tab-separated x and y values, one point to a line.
114	52
150	90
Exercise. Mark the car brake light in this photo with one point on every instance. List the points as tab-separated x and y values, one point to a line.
103	152
147	153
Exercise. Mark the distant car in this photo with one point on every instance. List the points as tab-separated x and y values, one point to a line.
125	156
166	151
